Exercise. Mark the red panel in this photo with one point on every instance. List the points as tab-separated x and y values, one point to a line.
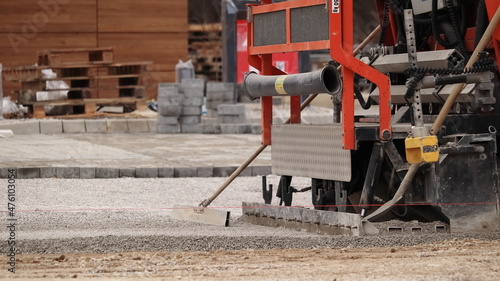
287	62
283	5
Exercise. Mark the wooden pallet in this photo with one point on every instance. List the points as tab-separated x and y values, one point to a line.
64	57
79	106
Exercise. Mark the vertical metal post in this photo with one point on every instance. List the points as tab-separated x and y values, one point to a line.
418	130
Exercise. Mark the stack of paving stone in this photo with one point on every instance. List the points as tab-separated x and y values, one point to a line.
232	119
179	106
190	118
218	93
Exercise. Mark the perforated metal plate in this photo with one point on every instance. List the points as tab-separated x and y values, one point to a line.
313	151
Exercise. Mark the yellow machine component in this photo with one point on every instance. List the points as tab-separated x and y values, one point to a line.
422	149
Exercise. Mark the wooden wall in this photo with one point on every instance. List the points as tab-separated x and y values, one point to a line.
146	30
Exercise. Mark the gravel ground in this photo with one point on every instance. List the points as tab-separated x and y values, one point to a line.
123	215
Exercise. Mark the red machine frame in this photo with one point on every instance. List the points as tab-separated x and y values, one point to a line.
340	44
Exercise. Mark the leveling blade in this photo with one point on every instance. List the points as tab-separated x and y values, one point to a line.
201	215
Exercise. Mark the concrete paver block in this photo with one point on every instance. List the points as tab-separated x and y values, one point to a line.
137	125
192	128
205	172
172	100
126	173
185	172
247	172
190	110
170	120
106	173
224	96
4	173
74	126
193	101
219	86
194	92
146	172
28	173
117	125
190	119
51	126
235	128
165	172
231	119
224	171
152	125
231	109
168	129
87	172
211	129
169	110
22	128
68	172
261	170
193	83
167	90
48	172
256	129
96	126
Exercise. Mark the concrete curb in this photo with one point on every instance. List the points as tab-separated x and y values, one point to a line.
55	126
109	173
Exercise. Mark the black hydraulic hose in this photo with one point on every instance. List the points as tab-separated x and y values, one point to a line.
481	21
385	23
435	31
459	34
364	104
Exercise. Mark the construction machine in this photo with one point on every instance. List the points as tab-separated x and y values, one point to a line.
426	160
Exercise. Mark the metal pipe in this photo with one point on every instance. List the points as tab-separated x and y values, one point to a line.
325	80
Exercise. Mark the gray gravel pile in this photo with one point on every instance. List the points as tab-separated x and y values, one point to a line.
130	214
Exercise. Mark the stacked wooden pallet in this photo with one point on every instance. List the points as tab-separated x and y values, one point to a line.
92	77
205	50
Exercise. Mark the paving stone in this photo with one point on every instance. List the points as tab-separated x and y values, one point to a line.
152	125
48	172
185	172
190	110
247	172
126	173
165	172
190	119
193	83
196	101
169	110
172	100
205	172
211	129
168	129
219	86
261	170
68	172
231	119
28	173
194	92
166	90
137	125
106	173
74	126
192	128
51	126
256	129
87	172
96	126
117	125
224	171
168	120
235	128
231	109
22	128
146	172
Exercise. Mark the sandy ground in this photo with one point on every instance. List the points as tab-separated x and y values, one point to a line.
120	229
